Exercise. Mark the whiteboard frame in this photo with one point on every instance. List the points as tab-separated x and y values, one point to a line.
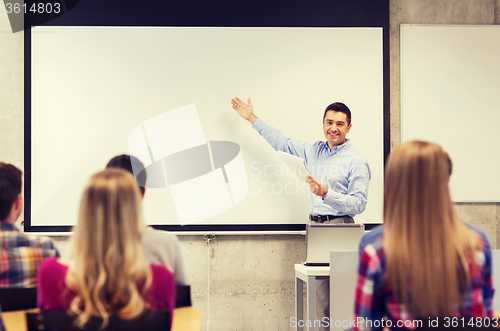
350	18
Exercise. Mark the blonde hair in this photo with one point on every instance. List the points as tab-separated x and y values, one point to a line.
108	272
426	246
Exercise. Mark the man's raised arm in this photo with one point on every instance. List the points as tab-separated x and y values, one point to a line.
273	136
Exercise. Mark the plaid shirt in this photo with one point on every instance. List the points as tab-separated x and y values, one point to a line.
21	255
374	298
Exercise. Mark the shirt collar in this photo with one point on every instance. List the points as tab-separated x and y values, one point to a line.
340	147
8	227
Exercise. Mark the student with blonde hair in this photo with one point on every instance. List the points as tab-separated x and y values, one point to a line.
108	273
160	247
423	262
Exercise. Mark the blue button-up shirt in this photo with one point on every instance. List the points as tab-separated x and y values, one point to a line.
343	170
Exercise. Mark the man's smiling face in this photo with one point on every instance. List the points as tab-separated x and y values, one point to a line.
335	128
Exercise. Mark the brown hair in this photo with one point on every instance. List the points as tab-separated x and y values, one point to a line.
339	107
108	272
10	187
425	244
131	164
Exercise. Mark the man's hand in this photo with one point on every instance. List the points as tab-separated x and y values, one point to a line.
245	111
316	187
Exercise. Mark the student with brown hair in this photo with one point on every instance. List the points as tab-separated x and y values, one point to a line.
423	262
108	273
20	254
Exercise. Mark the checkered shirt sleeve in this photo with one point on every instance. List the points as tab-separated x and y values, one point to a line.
375	306
20	256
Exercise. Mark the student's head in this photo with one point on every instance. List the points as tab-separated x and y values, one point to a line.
107	248
10	192
425	244
336	124
130	163
417	175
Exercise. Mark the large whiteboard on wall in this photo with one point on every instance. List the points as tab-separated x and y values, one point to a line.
97	90
450	95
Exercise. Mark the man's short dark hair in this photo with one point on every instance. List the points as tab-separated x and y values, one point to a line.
125	162
10	186
340	107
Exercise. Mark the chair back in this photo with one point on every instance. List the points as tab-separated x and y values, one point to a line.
183	297
17	298
61	321
343	279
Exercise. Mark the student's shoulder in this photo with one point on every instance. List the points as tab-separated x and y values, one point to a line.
160	272
374	237
154	235
37	240
475	229
31	240
52	265
51	275
480	233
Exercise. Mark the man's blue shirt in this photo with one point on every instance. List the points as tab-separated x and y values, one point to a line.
343	170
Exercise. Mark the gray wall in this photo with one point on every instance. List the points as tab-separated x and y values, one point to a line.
247	282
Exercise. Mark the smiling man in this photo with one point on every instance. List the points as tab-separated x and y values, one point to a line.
339	186
336	124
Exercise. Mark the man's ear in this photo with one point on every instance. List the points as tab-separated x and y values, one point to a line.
16	209
18	203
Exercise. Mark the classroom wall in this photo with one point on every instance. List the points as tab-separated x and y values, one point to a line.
247	282
475	12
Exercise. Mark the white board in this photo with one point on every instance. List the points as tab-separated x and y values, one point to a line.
450	95
93	86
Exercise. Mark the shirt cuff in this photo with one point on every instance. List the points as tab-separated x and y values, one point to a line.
333	199
258	125
330	195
